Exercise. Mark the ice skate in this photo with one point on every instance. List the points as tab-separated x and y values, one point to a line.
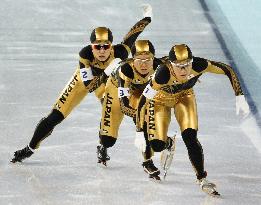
102	155
20	155
167	155
150	169
208	187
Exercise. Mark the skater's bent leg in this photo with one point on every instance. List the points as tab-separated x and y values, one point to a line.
186	115
111	116
99	92
195	151
65	103
148	154
45	127
158	124
157	145
148	151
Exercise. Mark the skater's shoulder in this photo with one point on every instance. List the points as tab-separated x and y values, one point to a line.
121	51
199	64
162	74
127	69
86	52
163	68
158	61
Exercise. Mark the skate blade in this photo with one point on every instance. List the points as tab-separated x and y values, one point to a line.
215	194
15	160
102	162
212	193
167	155
155	177
165	174
155	173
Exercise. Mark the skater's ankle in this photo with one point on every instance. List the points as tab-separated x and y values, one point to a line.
146	160
202	175
31	149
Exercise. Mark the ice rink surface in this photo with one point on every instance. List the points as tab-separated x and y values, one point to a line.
39	45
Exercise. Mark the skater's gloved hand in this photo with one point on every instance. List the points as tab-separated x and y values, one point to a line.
140	142
242	106
147	10
114	64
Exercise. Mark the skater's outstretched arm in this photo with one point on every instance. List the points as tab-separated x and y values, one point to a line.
203	65
138	28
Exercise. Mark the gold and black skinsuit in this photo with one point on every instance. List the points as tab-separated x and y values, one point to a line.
169	93
117	103
76	89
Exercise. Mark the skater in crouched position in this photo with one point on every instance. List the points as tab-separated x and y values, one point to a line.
122	92
96	62
172	87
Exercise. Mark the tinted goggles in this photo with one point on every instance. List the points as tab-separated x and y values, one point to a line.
145	61
100	46
183	64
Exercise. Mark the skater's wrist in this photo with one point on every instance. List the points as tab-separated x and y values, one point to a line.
31	149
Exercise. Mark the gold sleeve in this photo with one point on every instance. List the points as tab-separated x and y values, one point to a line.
222	68
135	31
85	63
131	112
96	82
124	82
141	112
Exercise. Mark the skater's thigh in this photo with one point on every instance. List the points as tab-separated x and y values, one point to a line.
99	92
158	120
186	112
111	112
72	94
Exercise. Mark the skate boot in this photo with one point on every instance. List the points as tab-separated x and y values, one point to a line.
167	155
150	169
208	187
20	155
102	155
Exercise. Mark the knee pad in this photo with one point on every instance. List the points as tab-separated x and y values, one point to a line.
107	141
189	137
47	124
54	118
157	145
45	127
195	151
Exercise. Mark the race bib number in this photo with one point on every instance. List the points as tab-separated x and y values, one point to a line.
122	92
149	92
86	74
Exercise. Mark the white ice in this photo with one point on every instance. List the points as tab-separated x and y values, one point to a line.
39	45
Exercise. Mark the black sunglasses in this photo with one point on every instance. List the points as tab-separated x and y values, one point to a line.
99	46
